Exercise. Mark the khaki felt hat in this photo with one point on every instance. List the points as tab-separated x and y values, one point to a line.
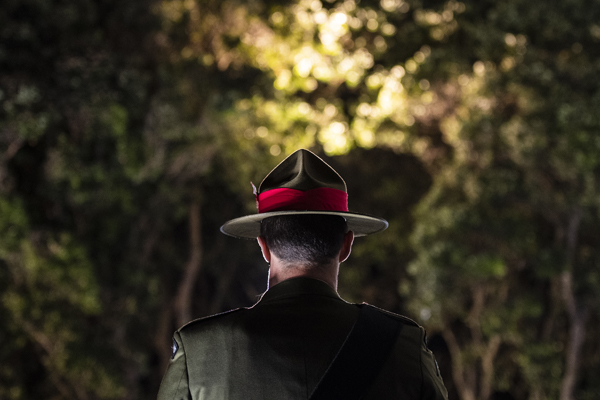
302	184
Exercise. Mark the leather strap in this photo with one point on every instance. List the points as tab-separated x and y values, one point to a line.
361	357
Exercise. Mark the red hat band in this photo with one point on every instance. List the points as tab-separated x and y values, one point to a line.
319	199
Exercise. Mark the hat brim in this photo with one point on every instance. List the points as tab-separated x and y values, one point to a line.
248	227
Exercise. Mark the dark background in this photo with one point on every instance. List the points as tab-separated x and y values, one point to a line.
131	130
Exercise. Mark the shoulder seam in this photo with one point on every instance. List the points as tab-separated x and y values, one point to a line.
402	318
209	317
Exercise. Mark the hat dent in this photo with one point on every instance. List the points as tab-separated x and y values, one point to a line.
302	170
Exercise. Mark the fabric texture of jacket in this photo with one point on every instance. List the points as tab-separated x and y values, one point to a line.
281	347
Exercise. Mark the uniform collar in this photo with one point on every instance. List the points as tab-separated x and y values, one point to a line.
299	286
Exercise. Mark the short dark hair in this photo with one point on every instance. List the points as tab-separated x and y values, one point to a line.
309	239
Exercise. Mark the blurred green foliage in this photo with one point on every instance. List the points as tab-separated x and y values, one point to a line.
130	131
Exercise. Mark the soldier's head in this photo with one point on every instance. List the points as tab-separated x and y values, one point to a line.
303	219
308	240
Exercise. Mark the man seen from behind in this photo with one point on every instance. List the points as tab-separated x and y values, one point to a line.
301	340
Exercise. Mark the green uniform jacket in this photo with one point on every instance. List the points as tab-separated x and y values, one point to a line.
280	348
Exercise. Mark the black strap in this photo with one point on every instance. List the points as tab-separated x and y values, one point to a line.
360	358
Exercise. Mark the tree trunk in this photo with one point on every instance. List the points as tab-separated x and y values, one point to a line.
577	320
465	387
576	313
183	300
487	366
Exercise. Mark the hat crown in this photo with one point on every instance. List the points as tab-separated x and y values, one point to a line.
302	170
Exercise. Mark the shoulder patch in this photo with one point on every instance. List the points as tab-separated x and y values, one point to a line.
402	318
174	348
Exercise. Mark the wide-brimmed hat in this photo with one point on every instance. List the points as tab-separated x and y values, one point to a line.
302	184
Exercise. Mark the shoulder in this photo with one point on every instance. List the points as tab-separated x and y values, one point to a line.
211	320
404	320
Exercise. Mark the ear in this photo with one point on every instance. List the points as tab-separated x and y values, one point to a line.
264	247
346	246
